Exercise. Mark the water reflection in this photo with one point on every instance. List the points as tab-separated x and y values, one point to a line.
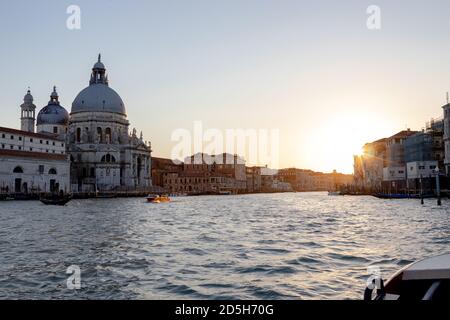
282	246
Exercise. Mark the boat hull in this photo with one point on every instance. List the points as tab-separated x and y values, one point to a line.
55	201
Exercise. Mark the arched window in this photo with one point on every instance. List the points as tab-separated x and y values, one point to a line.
52	171
100	134
108	158
78	134
18	170
108	135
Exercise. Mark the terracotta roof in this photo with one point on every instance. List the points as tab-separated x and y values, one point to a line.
379	141
403	134
36	155
30	134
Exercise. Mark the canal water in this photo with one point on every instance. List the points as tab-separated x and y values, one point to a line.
276	246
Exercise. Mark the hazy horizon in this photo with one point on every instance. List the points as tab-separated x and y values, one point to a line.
311	69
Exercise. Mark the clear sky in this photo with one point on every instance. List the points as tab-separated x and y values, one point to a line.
311	69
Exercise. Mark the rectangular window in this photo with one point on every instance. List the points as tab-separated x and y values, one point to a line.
46	142
41	169
20	148
11	147
12	137
53	143
31	149
40	141
55	129
20	138
31	139
3	136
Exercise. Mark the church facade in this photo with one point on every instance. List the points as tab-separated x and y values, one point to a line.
104	154
90	149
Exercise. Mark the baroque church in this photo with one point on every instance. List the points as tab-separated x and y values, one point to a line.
104	155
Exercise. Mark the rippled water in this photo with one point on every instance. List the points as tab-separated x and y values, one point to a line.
282	246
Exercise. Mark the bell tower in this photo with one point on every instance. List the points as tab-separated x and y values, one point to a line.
28	110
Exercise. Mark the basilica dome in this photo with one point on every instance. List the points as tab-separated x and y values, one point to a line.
98	96
53	113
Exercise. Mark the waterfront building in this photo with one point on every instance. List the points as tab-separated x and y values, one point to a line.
368	167
299	179
32	163
202	174
428	144
424	155
394	172
271	181
308	180
220	166
253	179
161	167
104	155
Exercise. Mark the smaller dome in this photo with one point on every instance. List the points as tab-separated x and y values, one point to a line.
53	113
28	98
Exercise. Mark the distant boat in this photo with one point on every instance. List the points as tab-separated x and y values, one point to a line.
424	280
401	196
55	200
4	197
157	198
335	193
104	195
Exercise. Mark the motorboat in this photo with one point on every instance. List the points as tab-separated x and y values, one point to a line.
56	200
428	279
157	198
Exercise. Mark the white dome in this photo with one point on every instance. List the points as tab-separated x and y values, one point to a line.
98	97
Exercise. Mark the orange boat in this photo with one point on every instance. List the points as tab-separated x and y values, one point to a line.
157	198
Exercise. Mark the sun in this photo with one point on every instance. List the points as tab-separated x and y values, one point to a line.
340	137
